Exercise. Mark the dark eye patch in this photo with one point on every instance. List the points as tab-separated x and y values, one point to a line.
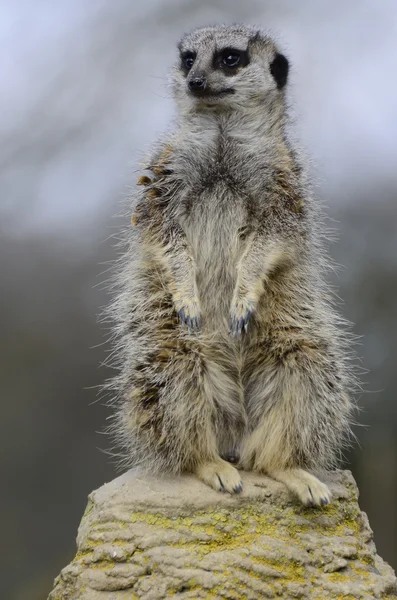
230	59
187	60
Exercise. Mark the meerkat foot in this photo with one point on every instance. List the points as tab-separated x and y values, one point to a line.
310	490
221	476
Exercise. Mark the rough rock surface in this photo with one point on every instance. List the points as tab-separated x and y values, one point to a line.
149	538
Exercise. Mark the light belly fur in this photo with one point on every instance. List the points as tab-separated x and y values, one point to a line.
212	230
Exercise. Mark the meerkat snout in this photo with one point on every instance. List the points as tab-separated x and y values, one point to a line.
198	83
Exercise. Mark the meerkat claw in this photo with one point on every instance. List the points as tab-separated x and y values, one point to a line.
239	325
193	322
246	320
221	489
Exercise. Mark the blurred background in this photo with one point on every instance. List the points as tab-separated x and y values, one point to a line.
83	95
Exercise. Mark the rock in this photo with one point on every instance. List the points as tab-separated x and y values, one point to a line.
153	538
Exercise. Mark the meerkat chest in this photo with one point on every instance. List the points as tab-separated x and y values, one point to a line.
212	159
220	194
216	207
213	225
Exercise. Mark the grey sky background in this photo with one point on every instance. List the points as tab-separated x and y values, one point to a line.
84	93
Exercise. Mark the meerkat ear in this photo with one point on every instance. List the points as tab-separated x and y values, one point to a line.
279	69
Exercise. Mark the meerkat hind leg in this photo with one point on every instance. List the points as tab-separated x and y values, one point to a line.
310	490
221	476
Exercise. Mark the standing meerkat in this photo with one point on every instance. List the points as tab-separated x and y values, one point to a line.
225	339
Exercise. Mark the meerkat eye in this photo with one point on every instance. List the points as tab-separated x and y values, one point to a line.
231	58
188	59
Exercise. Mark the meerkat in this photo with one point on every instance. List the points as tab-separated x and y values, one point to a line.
228	347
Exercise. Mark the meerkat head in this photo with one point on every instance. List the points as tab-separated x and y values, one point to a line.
228	67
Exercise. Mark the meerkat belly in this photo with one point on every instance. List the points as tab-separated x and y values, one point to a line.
213	233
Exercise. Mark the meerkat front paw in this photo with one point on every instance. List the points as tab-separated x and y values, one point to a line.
240	314
189	314
221	476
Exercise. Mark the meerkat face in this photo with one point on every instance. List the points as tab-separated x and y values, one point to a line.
228	67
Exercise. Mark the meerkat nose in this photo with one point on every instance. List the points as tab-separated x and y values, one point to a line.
198	83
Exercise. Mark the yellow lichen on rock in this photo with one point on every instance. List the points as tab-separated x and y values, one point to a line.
149	538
